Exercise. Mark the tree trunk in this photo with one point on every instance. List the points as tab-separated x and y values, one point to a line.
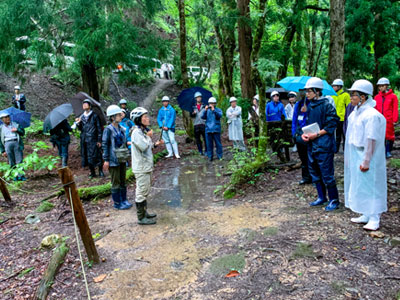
104	79
311	40
287	43
187	120
323	35
245	41
336	43
297	55
89	80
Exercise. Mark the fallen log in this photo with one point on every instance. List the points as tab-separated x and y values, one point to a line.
57	259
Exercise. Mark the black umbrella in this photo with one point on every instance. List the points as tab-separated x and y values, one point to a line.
56	116
77	101
282	93
186	99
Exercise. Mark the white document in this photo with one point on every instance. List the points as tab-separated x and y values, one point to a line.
312	128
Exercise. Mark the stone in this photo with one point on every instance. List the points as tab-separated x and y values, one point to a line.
32	219
50	241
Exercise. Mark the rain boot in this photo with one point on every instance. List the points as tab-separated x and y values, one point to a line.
373	223
148	215
175	147
321	190
64	161
363	219
116	196
124	200
101	173
305	176
141	215
169	149
389	147
92	172
333	199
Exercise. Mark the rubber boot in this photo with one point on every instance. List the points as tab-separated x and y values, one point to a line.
148	215
321	190
124	200
333	199
373	223
363	219
101	173
141	215
92	172
64	161
175	147
116	196
306	179
169	149
389	147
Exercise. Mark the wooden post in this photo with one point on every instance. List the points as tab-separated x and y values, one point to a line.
68	181
4	191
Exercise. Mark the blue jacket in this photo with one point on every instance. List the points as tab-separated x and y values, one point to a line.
127	124
166	117
299	118
213	120
323	113
108	144
274	111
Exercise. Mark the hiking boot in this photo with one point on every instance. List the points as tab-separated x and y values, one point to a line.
124	200
141	215
92	172
101	173
148	215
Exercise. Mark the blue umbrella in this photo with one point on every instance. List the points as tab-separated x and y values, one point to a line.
21	117
186	99
296	83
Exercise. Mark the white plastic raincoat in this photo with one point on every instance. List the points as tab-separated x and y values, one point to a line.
365	192
234	116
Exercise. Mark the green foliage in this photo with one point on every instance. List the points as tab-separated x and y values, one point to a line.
35	129
270	231
180	132
222	265
26	271
45	206
229	193
303	250
395	163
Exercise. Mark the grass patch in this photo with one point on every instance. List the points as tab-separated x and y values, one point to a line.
248	234
180	132
45	206
395	163
222	265
303	250
229	193
270	231
26	271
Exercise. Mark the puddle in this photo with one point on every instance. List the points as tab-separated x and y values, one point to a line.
187	185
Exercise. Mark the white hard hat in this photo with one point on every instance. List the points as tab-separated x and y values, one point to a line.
165	98
212	100
137	113
198	94
274	93
314	83
292	93
256	97
338	82
4	114
123	101
383	81
363	86
17	87
113	110
232	99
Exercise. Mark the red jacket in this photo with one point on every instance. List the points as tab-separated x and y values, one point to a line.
388	105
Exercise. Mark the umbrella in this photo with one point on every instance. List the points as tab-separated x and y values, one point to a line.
296	83
56	116
186	99
77	101
282	93
21	117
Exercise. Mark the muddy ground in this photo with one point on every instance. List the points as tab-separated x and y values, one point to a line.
281	248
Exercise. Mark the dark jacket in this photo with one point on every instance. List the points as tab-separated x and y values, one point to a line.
299	120
109	136
91	134
349	110
323	113
60	133
213	120
21	101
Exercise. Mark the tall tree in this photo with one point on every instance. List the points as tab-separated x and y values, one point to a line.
337	37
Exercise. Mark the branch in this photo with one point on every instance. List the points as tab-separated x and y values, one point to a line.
315	7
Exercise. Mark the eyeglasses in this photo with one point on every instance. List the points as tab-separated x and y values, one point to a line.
309	91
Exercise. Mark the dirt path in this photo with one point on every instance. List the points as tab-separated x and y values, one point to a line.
161	84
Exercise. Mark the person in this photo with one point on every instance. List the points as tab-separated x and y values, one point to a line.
289	108
124	105
300	115
321	144
165	71
18	99
91	138
142	163
342	100
166	121
59	136
349	110
234	116
199	123
388	105
254	112
365	186
113	139
213	116
127	124
11	143
275	109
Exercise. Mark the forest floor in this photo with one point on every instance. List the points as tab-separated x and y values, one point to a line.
281	248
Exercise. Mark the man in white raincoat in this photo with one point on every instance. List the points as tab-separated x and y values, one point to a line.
365	164
234	115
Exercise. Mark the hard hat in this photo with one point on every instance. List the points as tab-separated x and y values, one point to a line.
165	98
112	110
232	99
338	82
314	83
383	81
123	101
274	93
292	94
17	87
198	94
363	86
137	113
87	101
212	100
256	97
4	114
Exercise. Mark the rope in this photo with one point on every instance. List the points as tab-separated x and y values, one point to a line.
77	242
29	192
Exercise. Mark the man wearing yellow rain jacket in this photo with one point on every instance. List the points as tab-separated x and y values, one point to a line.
341	101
